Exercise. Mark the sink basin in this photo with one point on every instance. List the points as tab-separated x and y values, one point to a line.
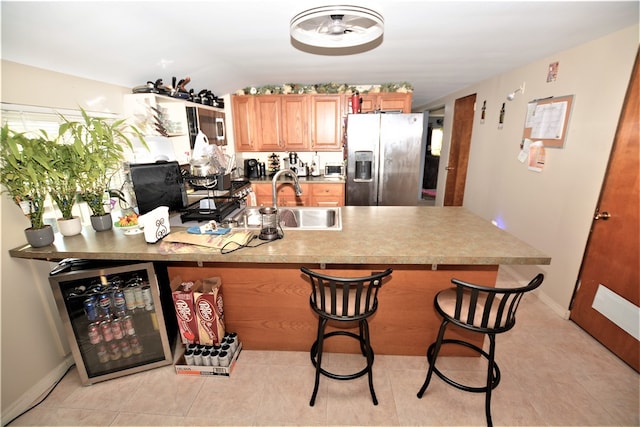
298	218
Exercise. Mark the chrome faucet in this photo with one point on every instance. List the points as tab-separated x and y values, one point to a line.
296	184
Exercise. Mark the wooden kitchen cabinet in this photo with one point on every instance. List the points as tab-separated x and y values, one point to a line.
271	122
327	195
243	109
267	120
384	101
285	191
313	194
295	122
327	112
288	122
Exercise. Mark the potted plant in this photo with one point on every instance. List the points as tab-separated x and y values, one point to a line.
65	161
24	174
101	143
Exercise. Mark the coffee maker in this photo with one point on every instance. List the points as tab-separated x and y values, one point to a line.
251	169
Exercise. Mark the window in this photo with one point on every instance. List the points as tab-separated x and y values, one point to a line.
436	141
31	120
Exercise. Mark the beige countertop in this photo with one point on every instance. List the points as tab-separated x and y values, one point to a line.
370	235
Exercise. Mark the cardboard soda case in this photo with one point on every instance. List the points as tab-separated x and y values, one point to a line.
209	308
183	301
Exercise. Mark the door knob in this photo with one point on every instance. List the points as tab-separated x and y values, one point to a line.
602	215
449	168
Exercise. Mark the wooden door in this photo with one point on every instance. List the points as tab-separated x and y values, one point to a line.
267	122
295	118
612	257
326	122
242	107
462	127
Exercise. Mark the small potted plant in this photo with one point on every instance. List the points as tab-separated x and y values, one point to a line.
24	174
65	161
101	143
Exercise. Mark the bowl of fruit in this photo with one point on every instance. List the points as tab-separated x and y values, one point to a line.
129	223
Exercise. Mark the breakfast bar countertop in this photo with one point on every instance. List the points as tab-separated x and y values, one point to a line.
370	235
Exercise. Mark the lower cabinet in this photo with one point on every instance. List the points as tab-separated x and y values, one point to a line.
313	194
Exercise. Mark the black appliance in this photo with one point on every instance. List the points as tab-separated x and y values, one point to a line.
118	317
224	205
251	169
158	184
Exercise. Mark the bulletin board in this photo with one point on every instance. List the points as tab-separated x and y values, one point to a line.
548	120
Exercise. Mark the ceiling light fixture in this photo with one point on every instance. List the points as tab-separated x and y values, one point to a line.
512	95
336	27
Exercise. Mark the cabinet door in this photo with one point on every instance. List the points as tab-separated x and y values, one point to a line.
395	102
326	122
267	122
287	194
327	195
386	101
295	117
242	107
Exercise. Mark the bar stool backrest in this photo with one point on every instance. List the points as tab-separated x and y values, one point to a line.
481	308
345	298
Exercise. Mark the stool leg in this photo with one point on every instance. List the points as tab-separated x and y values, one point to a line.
432	360
321	324
490	378
364	328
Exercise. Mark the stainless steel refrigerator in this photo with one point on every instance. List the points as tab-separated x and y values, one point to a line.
385	158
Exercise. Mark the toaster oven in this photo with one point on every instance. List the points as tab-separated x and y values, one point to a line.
334	169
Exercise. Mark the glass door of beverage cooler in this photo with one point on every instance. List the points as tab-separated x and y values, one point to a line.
114	320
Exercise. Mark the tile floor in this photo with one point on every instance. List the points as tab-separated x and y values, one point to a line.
553	373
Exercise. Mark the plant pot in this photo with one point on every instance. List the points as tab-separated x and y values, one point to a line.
40	237
70	227
102	222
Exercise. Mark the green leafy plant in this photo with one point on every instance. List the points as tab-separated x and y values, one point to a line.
25	168
65	161
101	143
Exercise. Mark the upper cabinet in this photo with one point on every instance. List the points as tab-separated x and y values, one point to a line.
385	101
326	121
287	122
302	122
174	123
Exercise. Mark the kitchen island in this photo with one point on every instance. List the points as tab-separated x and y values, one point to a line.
266	297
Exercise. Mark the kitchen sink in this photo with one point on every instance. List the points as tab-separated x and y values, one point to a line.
298	218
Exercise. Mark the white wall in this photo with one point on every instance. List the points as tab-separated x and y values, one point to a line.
551	210
35	352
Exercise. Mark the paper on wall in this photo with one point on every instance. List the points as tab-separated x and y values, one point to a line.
536	156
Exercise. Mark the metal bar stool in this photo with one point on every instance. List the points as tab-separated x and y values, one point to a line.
344	300
478	309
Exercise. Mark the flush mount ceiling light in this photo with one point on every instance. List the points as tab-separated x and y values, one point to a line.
336	26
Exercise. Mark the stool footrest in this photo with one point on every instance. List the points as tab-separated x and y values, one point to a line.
314	353
496	371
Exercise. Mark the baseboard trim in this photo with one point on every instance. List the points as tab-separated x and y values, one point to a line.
35	393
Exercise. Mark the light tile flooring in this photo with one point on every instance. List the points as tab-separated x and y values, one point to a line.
553	373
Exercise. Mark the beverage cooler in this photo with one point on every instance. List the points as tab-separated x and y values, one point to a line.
113	316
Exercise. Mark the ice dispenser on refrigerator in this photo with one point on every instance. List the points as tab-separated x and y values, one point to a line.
364	166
